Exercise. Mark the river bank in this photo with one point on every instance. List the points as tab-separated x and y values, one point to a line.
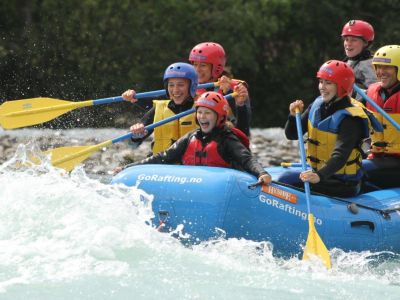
269	145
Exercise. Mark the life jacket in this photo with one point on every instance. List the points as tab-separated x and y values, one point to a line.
322	136
197	155
388	141
167	134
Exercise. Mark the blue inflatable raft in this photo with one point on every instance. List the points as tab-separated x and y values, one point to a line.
206	200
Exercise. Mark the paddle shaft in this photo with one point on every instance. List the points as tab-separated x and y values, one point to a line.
156	93
376	106
79	104
303	157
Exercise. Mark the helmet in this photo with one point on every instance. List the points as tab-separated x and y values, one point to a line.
182	70
211	53
216	102
340	73
360	29
389	56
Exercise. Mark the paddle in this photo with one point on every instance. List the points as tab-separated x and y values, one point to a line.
376	106
68	157
27	112
314	244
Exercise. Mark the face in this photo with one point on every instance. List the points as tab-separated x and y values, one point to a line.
353	45
328	89
387	75
207	119
204	71
178	89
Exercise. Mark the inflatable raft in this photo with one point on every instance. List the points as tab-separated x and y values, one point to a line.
209	200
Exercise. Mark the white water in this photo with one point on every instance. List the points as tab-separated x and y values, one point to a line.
67	236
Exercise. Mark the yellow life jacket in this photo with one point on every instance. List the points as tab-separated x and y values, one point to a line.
322	136
167	134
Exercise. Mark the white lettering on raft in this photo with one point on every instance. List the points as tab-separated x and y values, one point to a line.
287	208
169	178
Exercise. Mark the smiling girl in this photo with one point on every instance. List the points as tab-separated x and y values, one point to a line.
357	37
336	127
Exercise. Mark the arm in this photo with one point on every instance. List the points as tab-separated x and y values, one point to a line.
232	150
290	126
244	117
146	120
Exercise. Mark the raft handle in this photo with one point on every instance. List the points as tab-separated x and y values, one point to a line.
370	224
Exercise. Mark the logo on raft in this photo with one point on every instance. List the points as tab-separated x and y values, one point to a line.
287	208
169	178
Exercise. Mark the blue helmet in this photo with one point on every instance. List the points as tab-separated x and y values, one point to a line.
182	70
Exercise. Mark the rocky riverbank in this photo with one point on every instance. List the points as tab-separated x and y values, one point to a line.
269	145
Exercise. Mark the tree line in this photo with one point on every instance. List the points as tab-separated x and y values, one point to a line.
89	49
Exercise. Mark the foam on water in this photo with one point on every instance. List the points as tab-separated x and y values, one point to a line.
67	236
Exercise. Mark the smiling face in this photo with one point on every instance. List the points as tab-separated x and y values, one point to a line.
328	89
178	89
353	45
204	71
387	75
207	119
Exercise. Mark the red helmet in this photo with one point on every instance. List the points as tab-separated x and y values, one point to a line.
216	102
340	73
211	53
360	29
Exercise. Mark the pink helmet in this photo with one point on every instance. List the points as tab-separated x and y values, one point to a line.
340	73
360	29
211	53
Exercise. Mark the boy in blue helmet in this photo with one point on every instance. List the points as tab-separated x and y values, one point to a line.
180	81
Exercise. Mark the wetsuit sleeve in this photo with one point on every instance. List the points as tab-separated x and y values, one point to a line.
236	153
172	155
349	137
243	116
290	126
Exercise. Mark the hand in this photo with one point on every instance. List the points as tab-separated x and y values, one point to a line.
296	104
138	129
265	179
225	84
310	176
116	170
242	94
129	95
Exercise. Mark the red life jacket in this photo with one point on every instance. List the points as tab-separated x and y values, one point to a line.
209	156
197	155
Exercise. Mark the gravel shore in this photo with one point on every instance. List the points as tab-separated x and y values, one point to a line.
269	145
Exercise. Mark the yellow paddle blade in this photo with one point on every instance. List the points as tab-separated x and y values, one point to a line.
69	157
315	246
27	112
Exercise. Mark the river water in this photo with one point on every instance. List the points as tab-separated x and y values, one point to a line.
73	236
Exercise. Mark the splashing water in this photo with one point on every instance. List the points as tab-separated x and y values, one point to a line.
67	236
